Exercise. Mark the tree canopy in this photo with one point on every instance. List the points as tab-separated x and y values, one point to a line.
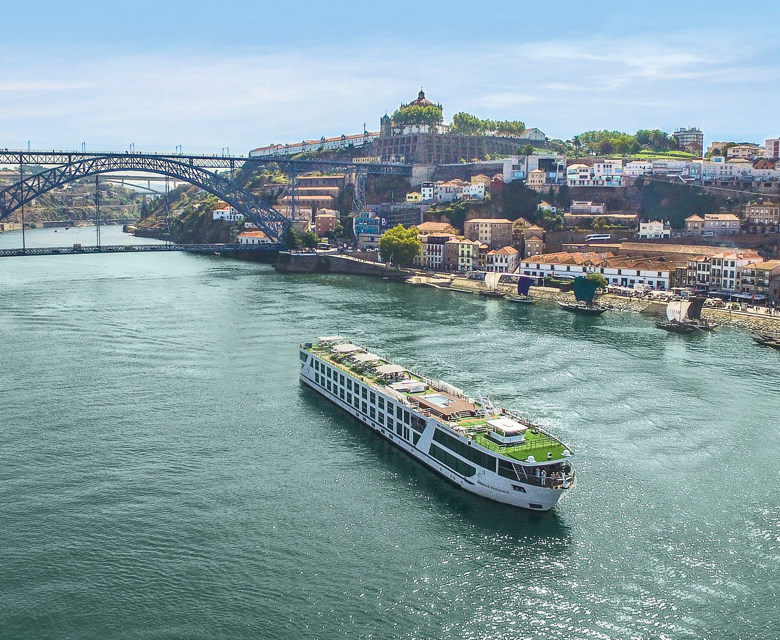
399	245
663	200
291	238
468	125
418	114
599	279
309	240
609	142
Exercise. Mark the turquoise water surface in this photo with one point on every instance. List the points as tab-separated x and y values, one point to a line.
163	474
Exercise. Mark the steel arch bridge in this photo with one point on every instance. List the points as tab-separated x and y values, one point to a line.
270	221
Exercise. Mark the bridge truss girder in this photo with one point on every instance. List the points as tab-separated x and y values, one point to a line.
270	221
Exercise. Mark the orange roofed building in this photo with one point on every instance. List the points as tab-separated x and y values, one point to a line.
618	270
434	227
713	224
503	260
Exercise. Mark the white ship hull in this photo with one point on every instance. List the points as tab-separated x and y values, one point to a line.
484	482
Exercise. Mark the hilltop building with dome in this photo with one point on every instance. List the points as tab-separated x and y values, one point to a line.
415	136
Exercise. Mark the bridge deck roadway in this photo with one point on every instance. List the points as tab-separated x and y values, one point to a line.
13	157
136	248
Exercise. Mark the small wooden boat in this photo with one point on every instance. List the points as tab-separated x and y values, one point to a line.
684	316
491	284
584	290
523	288
767	340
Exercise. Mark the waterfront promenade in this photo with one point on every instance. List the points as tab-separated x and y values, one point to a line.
751	319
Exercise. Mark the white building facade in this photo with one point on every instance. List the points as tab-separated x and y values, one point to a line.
654	229
504	260
637	168
603	173
228	213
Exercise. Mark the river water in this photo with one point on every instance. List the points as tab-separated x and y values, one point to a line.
163	474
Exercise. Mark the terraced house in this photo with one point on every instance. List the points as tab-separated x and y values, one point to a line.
494	232
618	270
503	260
763	214
713	224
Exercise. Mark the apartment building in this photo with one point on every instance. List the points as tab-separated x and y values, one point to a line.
618	270
763	213
713	224
460	255
503	260
494	232
432	253
603	173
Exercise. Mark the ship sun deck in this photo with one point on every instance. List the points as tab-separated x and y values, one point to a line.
468	417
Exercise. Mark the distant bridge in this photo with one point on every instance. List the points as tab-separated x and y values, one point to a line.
193	169
15	157
136	248
78	166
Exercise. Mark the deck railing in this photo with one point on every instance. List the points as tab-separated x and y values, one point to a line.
541	441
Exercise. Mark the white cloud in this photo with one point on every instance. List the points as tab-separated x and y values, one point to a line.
243	101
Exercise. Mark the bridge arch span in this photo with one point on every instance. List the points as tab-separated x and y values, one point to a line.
270	221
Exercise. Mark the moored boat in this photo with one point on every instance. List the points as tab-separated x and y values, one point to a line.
584	291
684	316
523	291
491	285
767	339
492	452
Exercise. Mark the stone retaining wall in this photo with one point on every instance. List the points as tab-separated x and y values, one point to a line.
289	262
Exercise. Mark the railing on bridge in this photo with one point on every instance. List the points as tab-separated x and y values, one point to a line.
139	248
204	161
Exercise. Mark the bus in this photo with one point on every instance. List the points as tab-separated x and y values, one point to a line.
591	237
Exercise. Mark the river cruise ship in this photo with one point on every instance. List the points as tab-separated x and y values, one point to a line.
492	452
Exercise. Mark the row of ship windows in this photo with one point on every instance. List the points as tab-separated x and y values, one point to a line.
505	468
386	420
343	386
337	385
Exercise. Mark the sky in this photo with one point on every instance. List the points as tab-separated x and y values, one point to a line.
239	74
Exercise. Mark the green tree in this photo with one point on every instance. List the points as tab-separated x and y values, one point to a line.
577	145
527	150
559	146
563	199
399	245
516	200
310	240
416	114
606	147
291	239
674	202
458	213
345	200
468	125
347	227
599	279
